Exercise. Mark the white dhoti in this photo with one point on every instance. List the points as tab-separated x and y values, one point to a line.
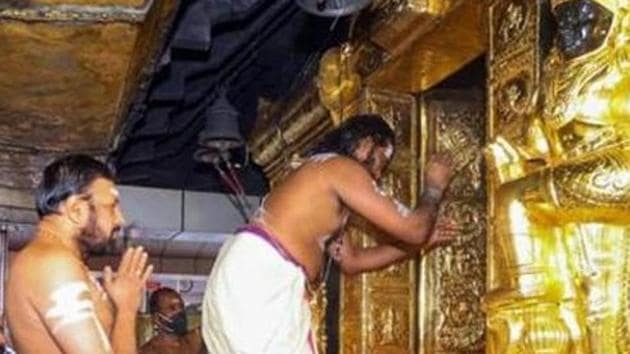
255	301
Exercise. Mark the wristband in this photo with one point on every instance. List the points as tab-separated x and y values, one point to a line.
432	194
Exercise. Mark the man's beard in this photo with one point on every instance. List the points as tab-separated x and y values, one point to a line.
370	161
93	239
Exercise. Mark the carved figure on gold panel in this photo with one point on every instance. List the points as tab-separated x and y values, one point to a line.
562	203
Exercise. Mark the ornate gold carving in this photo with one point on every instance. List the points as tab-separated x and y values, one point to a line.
560	183
514	65
377	309
453	278
318	307
389	327
623	329
512	22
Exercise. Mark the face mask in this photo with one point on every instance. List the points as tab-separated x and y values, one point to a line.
177	324
6	350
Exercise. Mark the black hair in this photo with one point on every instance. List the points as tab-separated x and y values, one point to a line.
345	138
67	176
154	299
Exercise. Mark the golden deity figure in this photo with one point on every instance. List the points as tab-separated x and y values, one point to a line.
562	196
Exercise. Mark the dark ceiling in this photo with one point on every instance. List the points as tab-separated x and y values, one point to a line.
250	49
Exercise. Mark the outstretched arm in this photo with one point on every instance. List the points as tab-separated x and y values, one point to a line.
353	260
359	192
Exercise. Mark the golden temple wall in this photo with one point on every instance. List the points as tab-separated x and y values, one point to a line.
559	180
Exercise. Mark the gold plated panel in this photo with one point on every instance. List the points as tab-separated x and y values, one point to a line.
560	163
513	75
378	309
69	75
455	40
452	279
398	23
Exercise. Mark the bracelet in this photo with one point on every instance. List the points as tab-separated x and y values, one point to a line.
432	195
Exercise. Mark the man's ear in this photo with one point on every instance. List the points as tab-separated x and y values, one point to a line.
76	209
364	146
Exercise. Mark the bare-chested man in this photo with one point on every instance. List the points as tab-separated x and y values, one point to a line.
255	297
171	326
54	305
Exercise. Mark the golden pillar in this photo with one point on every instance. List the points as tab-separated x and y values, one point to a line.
560	183
452	279
377	312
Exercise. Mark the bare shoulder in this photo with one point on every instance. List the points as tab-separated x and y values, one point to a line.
337	164
48	257
348	172
45	265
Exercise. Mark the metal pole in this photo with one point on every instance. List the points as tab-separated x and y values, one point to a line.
4	265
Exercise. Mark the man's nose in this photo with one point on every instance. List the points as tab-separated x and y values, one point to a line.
120	217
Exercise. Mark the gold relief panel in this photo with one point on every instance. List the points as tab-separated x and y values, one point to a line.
513	26
318	304
388	325
378	309
452	279
513	78
513	96
512	20
514	69
623	327
397	276
397	109
352	299
556	283
457	118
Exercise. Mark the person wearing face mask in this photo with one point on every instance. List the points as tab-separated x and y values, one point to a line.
54	305
171	326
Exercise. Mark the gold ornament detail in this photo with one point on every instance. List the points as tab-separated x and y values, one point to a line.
560	182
